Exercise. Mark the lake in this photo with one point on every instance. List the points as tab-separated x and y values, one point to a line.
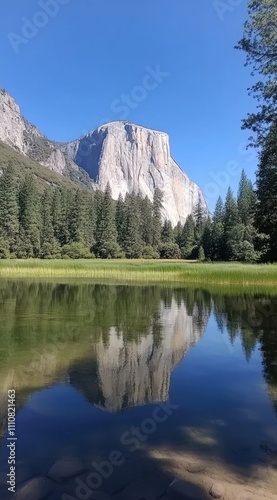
118	387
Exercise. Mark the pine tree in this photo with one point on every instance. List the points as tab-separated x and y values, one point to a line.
29	219
9	209
89	221
106	245
63	227
188	238
246	200
218	215
146	220
121	220
260	44
217	231
266	216
49	245
157	217
132	243
201	254
177	231
207	240
198	215
167	235
231	219
57	214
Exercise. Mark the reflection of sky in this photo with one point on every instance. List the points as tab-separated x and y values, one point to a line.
224	409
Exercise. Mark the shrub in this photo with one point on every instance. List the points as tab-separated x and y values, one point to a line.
4	251
76	250
169	251
201	254
150	253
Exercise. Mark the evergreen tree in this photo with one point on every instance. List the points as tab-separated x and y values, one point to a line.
146	218
121	220
219	213
157	217
57	215
188	238
246	200
90	221
106	245
231	219
266	215
49	245
217	231
201	254
207	239
199	219
9	209
177	231
133	245
260	44
61	214
29	219
82	221
167	235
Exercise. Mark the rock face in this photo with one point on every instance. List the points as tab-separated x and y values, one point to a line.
135	373
24	137
128	156
131	157
27	140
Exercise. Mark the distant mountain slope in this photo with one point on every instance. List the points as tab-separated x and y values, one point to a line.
25	165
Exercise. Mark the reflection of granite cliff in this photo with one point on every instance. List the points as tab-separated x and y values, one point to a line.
137	372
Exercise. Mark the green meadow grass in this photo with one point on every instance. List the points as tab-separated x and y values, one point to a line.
143	271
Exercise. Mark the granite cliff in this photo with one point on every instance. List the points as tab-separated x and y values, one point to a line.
128	156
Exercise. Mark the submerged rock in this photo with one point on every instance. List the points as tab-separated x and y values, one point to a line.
64	469
35	489
182	490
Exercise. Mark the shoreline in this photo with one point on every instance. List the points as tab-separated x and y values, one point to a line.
144	272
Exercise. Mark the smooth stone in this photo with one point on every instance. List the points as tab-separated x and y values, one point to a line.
182	490
217	491
35	489
64	469
195	468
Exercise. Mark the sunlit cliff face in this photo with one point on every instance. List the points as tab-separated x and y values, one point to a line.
115	371
138	372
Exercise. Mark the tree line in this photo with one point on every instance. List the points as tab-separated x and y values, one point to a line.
75	223
259	42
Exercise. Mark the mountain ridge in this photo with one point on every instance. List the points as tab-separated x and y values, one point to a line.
128	156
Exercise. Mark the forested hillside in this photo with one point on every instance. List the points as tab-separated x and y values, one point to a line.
61	220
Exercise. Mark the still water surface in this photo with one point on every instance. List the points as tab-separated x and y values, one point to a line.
137	369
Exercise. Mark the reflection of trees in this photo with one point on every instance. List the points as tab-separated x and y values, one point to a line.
136	369
39	316
252	318
152	327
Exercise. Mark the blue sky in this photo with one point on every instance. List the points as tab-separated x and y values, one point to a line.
71	74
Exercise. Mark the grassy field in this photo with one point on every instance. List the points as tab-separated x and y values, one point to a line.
143	271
